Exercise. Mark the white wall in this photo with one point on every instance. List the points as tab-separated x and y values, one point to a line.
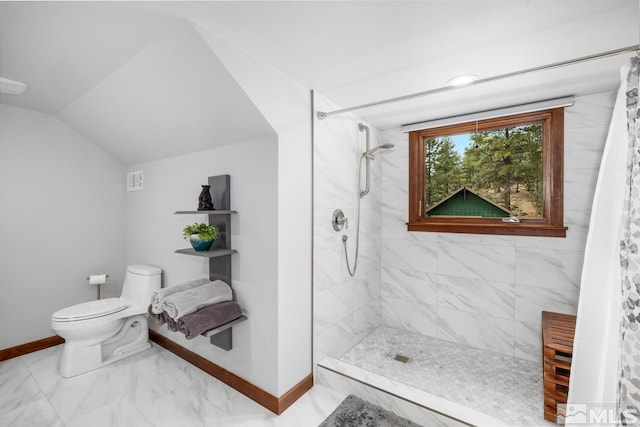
346	309
154	232
286	105
61	219
488	291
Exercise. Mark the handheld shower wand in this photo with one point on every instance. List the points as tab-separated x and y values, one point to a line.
367	156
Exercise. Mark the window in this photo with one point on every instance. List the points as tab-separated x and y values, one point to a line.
495	176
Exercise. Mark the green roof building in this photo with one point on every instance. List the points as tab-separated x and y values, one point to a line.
466	203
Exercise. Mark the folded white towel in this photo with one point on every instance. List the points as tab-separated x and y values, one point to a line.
189	301
157	298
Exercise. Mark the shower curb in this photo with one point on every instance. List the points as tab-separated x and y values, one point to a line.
406	401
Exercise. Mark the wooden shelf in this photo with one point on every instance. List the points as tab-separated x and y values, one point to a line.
222	328
214	212
212	253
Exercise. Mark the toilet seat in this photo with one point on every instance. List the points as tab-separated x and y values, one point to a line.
90	310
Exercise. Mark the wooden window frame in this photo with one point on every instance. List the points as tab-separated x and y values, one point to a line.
551	225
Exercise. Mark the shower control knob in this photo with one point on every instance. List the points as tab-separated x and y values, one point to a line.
338	220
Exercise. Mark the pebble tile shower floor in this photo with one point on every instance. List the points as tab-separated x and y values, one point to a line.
504	387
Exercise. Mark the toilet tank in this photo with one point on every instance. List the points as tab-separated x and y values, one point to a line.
140	282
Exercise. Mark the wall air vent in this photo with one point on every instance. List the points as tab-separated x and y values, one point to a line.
134	181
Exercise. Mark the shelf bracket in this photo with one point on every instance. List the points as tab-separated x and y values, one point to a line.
222	335
223	339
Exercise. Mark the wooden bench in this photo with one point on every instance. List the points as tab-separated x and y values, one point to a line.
557	350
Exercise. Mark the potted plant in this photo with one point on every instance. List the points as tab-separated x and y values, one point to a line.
200	235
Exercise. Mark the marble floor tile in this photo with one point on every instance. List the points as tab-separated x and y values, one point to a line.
154	388
77	397
116	412
31	413
17	386
9	368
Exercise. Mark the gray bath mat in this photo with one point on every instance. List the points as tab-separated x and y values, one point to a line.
354	412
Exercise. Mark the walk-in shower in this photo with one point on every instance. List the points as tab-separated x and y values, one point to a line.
376	333
339	220
444	328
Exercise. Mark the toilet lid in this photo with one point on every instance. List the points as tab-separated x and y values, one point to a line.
90	310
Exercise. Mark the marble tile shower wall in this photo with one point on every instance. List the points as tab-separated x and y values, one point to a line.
488	291
346	309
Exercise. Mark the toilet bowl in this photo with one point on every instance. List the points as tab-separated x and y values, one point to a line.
100	332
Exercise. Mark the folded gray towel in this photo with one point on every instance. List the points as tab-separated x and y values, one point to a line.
172	325
209	317
157	298
158	316
186	302
163	318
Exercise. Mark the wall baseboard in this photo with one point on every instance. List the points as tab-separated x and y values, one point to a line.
294	393
30	347
269	401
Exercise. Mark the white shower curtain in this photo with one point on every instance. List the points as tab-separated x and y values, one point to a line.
596	356
629	381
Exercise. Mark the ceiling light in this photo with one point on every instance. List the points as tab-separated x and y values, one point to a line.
11	87
462	80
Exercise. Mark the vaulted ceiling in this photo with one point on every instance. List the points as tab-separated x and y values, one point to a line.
137	79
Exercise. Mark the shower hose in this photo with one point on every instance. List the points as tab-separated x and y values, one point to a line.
344	236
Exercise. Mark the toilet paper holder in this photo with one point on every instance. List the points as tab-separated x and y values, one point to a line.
98	279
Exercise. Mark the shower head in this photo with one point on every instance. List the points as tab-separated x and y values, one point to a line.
369	153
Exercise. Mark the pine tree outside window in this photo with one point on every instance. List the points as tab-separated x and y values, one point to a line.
505	179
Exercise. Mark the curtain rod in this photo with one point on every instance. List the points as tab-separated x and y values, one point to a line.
322	115
530	107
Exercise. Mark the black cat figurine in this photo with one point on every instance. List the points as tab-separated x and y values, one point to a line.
205	202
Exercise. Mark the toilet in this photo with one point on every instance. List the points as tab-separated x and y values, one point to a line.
100	332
